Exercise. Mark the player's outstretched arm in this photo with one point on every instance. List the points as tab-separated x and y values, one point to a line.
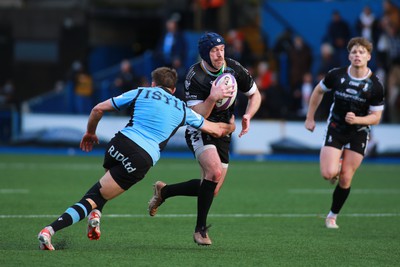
90	138
254	102
315	100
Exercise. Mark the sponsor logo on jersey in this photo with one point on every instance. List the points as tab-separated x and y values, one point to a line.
120	157
356	84
348	96
351	91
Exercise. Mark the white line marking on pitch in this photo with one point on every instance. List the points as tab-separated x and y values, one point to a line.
14	191
266	215
353	191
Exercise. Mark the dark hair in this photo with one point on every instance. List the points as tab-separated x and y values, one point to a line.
165	77
206	42
356	41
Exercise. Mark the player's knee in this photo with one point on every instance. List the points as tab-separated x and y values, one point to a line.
345	180
329	173
216	174
213	174
95	195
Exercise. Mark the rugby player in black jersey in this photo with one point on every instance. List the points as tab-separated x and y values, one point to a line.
211	153
358	103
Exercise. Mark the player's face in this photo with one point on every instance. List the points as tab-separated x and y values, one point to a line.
359	56
217	56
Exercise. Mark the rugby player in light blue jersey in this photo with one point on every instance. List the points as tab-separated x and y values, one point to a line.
155	116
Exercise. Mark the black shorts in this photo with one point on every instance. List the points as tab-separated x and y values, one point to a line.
195	139
128	163
356	141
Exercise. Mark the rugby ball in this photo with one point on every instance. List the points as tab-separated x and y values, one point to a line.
226	102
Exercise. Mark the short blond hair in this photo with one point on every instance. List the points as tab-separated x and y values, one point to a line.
360	41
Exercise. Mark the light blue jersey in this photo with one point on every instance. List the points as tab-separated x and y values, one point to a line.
156	116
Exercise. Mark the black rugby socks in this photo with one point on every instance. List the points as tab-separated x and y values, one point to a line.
188	188
338	198
73	214
204	201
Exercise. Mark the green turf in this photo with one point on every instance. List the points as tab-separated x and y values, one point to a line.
267	214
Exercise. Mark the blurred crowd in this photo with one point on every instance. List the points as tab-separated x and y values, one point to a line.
286	72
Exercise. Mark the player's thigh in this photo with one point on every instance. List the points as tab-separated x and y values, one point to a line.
351	162
329	161
211	164
109	188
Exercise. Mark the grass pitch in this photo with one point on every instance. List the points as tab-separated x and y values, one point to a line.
267	214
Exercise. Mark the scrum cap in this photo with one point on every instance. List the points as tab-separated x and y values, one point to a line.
206	42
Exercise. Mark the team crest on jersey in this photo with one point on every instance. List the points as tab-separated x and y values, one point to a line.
365	89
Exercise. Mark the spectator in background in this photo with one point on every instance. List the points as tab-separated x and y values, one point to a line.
181	70
7	92
171	48
210	13
306	90
275	105
388	55
300	63
126	79
281	49
328	62
237	48
391	13
263	76
367	25
338	34
263	79
83	89
284	42
171	51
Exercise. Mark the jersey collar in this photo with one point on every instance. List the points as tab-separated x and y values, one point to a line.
212	73
362	78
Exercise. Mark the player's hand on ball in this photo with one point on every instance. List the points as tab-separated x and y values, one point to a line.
221	91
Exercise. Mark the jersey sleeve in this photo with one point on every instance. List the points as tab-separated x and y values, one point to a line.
243	77
193	118
123	101
328	82
378	99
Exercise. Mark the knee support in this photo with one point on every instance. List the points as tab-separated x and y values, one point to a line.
95	195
